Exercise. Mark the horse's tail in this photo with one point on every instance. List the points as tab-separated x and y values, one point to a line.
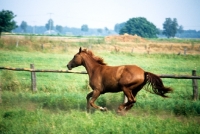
157	85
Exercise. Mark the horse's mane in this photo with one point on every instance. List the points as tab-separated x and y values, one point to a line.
96	58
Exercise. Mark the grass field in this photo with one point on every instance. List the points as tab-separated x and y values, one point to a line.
59	105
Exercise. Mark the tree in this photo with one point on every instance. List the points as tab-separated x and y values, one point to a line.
170	27
119	26
180	29
106	29
84	28
139	26
23	26
6	21
49	25
99	30
59	28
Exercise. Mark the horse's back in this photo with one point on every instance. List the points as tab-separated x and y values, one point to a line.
135	70
132	74
113	77
126	71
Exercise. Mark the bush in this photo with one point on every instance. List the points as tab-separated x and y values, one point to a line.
186	108
9	81
1	44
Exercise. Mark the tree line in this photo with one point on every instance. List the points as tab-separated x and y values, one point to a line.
139	26
50	28
142	27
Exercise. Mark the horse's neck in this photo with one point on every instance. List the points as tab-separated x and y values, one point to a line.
90	65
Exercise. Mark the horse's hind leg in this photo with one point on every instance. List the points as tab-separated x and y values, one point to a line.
134	92
131	105
130	97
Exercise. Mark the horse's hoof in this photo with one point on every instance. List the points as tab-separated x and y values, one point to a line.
103	109
121	112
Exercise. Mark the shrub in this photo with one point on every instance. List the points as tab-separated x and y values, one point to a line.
9	81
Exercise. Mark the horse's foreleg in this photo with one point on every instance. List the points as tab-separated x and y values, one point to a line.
95	95
88	101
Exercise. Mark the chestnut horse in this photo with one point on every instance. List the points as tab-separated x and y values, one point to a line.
127	78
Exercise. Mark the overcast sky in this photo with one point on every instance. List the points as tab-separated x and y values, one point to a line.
103	13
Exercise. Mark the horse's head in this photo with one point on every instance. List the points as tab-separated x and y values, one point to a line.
76	61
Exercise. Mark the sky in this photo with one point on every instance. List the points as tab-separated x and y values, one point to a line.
103	13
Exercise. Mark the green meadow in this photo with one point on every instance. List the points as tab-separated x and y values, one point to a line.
59	105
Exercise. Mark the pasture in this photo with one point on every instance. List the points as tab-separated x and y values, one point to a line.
59	105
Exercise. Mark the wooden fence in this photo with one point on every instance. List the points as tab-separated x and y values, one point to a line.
33	71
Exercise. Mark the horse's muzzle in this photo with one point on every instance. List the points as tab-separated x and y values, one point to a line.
69	67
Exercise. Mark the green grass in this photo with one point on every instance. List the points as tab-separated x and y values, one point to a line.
98	123
174	40
59	105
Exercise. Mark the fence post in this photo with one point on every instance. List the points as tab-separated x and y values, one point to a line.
33	79
17	43
195	86
42	46
132	50
185	51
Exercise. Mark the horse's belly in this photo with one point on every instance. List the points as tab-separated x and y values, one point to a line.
112	88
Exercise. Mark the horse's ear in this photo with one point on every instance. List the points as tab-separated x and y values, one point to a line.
80	49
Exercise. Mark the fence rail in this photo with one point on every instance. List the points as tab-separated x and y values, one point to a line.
179	76
34	85
83	72
42	70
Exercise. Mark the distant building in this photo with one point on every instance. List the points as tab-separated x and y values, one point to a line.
69	34
50	32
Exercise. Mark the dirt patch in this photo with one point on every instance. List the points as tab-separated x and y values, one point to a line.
125	38
116	43
137	44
